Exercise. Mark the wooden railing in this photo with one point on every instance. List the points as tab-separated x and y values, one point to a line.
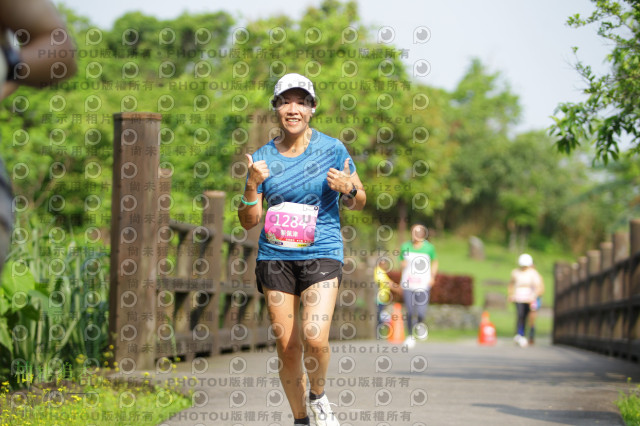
180	290
597	299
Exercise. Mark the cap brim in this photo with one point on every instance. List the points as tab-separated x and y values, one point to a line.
292	88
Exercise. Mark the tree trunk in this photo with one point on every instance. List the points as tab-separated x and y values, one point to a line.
513	236
402	220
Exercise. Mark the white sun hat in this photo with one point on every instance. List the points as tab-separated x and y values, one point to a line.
525	260
293	81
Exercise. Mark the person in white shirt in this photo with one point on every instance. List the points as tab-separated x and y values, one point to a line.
419	270
524	289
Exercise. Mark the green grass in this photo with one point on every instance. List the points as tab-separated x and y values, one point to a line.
54	265
499	262
503	320
497	266
629	405
100	403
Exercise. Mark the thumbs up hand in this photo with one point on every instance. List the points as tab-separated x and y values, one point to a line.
257	171
340	180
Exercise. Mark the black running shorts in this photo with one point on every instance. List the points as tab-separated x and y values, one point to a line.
295	276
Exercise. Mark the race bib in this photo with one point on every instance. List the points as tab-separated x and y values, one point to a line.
417	273
291	225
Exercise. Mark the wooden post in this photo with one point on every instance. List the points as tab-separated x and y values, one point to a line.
620	246
620	253
593	290
229	312
633	317
582	276
566	276
606	263
573	298
370	292
620	283
593	269
213	218
562	281
583	270
134	238
186	257
593	262
165	299
575	274
634	245
575	279
257	332
606	260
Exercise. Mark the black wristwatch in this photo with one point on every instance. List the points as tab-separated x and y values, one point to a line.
352	193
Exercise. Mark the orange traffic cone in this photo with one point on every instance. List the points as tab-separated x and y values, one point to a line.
396	334
487	331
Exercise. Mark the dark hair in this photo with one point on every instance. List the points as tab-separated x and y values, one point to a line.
425	230
274	100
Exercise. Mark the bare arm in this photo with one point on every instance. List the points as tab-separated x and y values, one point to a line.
49	54
510	287
250	215
7	89
357	202
342	181
383	279
540	286
434	269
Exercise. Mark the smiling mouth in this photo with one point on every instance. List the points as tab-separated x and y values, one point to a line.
293	120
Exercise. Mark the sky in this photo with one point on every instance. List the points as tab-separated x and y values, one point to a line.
526	41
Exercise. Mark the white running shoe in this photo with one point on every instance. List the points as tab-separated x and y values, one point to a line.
520	340
410	342
321	413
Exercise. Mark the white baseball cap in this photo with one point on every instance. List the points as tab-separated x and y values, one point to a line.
293	81
525	260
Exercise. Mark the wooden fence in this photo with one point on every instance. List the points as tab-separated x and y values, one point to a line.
597	299
185	290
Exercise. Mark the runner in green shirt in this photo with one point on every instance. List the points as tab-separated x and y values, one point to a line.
419	269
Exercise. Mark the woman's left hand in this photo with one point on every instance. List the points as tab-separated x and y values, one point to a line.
340	180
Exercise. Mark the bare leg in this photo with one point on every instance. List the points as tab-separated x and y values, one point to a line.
283	312
532	325
319	301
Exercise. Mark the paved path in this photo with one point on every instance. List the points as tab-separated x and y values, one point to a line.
374	383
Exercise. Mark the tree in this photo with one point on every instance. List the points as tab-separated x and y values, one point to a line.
611	113
212	86
483	109
390	125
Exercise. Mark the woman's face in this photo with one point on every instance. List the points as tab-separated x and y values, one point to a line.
293	108
418	233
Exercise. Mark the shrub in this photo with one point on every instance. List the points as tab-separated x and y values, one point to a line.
53	306
447	289
452	290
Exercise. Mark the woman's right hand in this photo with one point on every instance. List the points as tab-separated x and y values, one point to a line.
257	171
